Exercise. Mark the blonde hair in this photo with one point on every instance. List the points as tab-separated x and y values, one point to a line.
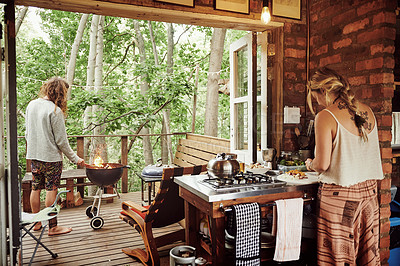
334	86
56	89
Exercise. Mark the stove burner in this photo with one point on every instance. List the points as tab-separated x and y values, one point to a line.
242	180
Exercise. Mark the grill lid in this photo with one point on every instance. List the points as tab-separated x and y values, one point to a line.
154	170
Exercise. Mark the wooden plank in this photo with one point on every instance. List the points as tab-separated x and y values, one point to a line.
85	246
190	159
203	14
208	139
212	148
196	153
179	162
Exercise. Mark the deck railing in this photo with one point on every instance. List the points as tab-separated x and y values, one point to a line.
80	150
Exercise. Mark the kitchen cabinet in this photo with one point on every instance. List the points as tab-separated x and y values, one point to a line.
201	200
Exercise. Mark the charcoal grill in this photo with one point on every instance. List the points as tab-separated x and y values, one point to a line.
107	174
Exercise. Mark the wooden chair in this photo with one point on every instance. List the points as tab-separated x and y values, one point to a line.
167	208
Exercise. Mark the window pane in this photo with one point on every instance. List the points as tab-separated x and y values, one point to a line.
242	75
242	126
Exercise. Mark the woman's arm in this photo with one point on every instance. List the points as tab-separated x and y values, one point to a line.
325	129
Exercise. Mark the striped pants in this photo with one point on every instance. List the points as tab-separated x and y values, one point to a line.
348	224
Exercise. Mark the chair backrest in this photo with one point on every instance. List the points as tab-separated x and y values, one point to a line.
167	207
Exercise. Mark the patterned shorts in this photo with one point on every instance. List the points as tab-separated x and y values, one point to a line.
46	175
348	225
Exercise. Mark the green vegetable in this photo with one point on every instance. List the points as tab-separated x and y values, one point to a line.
282	162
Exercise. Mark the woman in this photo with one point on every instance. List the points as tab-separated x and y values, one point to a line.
347	158
46	139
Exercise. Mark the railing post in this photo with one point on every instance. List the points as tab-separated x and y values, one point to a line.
124	161
80	151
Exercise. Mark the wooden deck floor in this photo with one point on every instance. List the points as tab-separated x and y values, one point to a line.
85	246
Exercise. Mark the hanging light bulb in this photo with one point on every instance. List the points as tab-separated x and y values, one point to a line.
265	15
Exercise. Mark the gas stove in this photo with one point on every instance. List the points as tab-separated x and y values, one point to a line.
243	180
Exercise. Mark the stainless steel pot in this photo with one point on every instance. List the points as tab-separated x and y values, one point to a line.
223	166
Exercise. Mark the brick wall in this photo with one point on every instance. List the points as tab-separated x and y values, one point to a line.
356	38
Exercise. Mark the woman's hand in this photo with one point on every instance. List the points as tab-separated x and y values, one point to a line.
81	162
309	164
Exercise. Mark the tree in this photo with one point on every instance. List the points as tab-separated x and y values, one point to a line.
217	50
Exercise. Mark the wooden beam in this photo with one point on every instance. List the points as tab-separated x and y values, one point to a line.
202	15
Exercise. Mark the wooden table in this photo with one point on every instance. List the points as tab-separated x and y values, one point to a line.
68	178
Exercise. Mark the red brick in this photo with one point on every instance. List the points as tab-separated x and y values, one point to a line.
301	41
330	60
384	242
381	78
376	48
301	65
389	62
295	53
386	121
388	92
379	33
300	87
366	93
356	26
289	41
385	199
290	75
343	16
384	254
384	212
369	64
359	80
385	226
368	7
387	167
387	153
314	17
384	17
321	50
384	184
385	135
342	43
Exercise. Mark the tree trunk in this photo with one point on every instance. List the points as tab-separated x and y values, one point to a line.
20	18
147	148
89	83
99	145
170	64
74	52
217	50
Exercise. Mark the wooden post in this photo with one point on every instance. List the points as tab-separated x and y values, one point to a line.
124	161
80	151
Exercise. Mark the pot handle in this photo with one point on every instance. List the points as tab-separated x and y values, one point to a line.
126	166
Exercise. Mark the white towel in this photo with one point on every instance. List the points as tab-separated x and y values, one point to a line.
289	229
396	128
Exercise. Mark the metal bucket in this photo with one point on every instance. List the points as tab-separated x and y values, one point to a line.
182	255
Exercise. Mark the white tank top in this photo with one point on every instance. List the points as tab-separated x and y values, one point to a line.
353	160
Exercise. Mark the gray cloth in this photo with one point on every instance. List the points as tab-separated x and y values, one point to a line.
45	133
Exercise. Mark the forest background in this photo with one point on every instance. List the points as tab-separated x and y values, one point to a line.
126	76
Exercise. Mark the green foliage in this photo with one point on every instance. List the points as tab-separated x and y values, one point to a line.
124	108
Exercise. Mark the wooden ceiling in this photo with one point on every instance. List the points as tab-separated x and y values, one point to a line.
202	14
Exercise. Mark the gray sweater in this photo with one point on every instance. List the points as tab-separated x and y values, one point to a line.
45	133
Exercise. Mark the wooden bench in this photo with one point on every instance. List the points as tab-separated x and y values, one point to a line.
199	149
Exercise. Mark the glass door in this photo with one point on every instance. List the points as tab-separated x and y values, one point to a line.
248	104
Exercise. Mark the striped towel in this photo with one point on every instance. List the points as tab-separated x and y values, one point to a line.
289	229
248	234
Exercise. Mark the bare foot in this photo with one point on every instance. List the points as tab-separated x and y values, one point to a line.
37	227
59	230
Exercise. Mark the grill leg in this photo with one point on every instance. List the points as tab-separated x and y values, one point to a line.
100	195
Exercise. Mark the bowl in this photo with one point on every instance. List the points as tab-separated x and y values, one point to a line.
259	170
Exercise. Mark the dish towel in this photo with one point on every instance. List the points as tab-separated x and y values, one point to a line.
289	228
248	233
